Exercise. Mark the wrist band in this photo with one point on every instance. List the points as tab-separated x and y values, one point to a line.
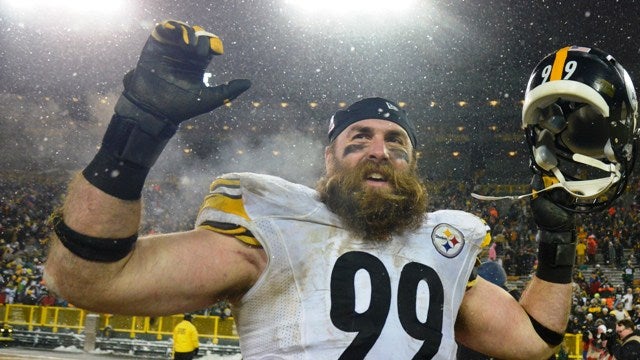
556	256
549	336
92	248
115	177
131	145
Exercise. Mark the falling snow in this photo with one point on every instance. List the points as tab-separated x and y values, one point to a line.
61	72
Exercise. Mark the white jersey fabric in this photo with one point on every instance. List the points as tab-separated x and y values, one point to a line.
327	295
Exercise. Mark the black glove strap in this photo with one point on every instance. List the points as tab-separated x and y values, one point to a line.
556	256
135	135
117	178
131	145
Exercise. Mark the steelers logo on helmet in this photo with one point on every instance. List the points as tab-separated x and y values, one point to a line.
579	117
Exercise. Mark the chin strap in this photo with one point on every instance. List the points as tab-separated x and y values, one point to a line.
581	189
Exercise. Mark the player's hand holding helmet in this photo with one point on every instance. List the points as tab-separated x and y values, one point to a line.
579	117
547	214
165	89
556	235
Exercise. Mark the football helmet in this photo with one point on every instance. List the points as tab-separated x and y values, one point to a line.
579	117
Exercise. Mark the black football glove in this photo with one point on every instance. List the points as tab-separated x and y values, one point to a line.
546	214
168	80
165	89
556	232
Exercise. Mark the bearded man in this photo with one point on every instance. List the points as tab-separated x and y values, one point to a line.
357	269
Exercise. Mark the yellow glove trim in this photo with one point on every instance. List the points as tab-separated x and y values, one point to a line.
215	44
547	181
185	34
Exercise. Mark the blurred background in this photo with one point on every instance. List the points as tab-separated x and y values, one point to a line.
458	67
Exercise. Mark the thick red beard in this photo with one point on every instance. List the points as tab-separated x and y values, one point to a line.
370	212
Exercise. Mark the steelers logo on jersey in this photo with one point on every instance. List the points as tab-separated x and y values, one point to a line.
448	240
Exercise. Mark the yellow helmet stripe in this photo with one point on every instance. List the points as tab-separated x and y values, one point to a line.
558	64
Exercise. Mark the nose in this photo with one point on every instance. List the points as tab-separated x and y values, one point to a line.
378	150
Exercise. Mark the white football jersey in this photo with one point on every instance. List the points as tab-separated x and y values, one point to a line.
328	295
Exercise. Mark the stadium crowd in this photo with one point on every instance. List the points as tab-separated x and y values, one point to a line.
610	240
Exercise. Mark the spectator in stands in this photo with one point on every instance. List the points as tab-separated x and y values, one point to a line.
185	339
581	253
619	247
575	325
629	346
592	249
628	275
493	256
608	251
627	300
608	319
607	294
636	316
636	248
619	312
47	299
594	283
595	305
597	343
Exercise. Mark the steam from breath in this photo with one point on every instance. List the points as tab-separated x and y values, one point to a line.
42	135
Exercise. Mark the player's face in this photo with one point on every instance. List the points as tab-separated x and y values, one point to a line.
374	141
371	180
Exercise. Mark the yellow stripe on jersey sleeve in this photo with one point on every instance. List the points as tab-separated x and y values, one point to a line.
487	237
224	195
239	232
486	241
473	278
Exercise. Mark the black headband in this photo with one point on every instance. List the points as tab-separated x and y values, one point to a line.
371	108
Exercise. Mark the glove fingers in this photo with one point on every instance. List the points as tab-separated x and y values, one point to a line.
224	93
207	42
192	39
540	182
546	213
174	32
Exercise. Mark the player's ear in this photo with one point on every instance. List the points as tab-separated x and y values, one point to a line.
329	159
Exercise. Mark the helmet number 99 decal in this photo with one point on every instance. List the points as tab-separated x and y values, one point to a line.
569	68
369	323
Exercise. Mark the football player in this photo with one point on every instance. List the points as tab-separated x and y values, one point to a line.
353	269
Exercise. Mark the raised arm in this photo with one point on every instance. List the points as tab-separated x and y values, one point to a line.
96	260
491	321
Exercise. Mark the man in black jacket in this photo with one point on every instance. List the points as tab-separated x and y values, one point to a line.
629	347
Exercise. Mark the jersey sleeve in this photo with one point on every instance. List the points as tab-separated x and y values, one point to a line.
225	197
473	278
